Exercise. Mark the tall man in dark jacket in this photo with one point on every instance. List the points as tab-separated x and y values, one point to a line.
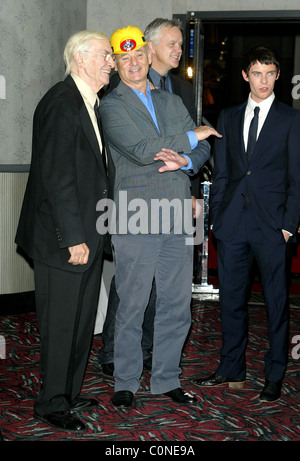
255	205
57	227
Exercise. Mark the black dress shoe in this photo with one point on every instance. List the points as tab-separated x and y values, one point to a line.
271	391
62	421
217	380
179	396
108	369
122	399
147	364
83	404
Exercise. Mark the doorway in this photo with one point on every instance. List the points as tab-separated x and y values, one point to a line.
225	37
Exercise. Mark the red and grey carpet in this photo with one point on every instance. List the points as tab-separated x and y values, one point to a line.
221	414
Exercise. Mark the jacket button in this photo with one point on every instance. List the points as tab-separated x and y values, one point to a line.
249	172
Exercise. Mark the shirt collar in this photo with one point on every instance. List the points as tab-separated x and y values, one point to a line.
85	90
263	105
155	77
148	91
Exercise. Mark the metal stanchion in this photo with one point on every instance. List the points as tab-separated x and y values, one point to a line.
204	290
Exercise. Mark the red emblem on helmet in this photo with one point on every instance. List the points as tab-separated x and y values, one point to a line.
128	44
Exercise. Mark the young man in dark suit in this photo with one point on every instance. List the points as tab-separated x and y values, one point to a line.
255	210
57	227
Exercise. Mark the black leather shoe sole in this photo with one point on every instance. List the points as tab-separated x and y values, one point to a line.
62	421
122	399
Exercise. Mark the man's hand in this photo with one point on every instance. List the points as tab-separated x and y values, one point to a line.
204	131
171	159
79	254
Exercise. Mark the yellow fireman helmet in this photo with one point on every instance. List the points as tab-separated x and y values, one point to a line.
127	39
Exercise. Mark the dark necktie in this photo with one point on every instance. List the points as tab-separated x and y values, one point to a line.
97	113
163	83
252	133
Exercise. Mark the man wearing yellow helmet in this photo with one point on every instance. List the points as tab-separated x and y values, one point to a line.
127	39
150	133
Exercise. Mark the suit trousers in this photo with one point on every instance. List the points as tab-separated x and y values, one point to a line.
139	259
235	259
66	304
106	353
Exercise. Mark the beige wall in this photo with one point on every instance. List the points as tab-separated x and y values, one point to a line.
130	12
32	38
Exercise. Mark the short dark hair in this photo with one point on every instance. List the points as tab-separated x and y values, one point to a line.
262	54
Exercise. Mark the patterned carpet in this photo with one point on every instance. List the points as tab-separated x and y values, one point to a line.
221	414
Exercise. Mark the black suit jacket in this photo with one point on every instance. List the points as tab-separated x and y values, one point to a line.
185	90
67	178
271	178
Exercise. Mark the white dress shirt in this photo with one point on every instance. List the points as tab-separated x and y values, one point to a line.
264	107
89	98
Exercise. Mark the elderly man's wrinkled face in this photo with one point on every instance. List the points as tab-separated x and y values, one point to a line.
98	63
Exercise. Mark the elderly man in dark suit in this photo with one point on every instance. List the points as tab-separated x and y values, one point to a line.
57	226
145	131
255	205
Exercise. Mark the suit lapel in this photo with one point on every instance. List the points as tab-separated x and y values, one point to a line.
157	99
237	133
272	119
177	89
137	105
86	122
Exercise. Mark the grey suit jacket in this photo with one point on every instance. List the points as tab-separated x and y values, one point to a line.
134	140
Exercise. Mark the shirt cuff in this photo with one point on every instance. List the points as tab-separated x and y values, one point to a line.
189	166
193	139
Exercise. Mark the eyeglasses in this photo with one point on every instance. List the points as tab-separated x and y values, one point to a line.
106	56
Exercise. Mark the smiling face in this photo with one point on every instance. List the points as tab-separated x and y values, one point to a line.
133	68
95	64
261	78
166	54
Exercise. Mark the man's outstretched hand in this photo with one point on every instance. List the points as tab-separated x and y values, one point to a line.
172	160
